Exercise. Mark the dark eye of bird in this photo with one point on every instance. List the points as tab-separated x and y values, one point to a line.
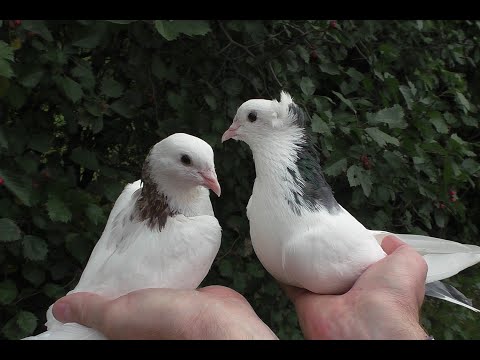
186	159
252	117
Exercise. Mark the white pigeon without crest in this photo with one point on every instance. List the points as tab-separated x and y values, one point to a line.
161	232
299	232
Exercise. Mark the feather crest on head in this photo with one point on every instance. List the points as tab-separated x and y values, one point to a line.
289	112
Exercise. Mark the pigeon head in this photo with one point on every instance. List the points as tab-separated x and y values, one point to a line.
181	162
260	119
283	150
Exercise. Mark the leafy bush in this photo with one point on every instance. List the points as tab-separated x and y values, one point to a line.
394	105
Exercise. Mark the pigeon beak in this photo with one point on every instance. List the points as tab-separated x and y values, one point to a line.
210	181
231	132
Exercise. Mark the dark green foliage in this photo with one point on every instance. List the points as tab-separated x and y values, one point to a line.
393	106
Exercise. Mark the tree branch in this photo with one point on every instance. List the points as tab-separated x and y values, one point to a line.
233	41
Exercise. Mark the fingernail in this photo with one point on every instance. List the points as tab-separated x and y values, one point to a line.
62	312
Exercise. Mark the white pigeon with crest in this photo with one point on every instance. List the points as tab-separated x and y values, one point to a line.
161	232
299	232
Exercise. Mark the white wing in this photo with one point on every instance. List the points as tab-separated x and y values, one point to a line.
101	251
445	258
131	256
177	256
70	331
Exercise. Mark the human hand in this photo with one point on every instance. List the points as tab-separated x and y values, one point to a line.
384	303
213	312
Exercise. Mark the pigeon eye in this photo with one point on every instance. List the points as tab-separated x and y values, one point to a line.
185	159
252	117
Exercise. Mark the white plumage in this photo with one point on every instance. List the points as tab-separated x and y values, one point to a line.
301	235
161	232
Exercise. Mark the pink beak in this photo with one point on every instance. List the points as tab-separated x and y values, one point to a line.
210	181
231	132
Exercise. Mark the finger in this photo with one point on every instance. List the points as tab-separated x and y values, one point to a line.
83	308
391	243
416	266
410	266
222	292
292	292
409	259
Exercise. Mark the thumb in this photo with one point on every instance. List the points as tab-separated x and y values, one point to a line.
82	307
391	243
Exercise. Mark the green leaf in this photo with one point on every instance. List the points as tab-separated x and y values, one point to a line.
345	101
330	68
20	185
91	36
6	52
27	322
6	55
470	166
33	274
255	270
166	30
462	100
3	139
322	103
12	330
123	108
380	137
232	86
336	168
240	282
122	22
85	158
113	190
8	292
37	27
39	221
170	29
320	126
358	176
407	95
383	193
5	69
307	86
470	121
34	248
28	162
16	96
304	54
93	109
95	214
433	147
393	117
211	101
354	74
194	27
158	68
78	246
111	88
41	142
53	291
226	268
439	124
83	72
9	231
31	79
57	209
71	88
